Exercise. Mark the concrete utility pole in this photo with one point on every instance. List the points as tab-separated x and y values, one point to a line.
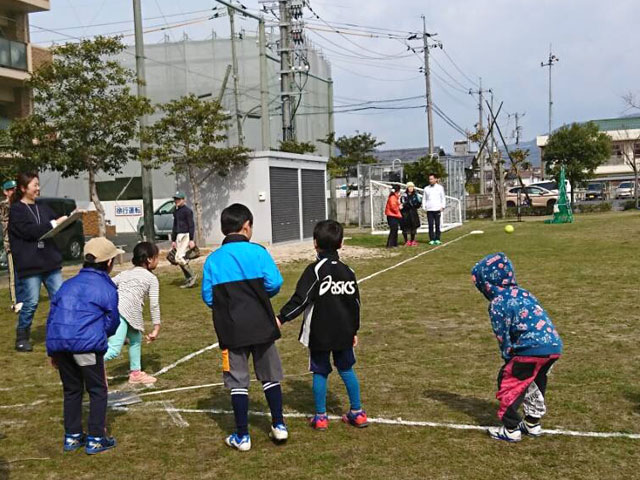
427	79
518	116
285	70
234	63
147	181
550	61
481	158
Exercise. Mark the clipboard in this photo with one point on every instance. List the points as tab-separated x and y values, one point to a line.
75	215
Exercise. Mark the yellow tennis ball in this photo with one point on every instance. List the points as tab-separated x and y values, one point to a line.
509	229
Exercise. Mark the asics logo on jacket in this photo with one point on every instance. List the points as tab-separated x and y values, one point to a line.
336	288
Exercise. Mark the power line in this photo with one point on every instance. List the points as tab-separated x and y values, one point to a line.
473	82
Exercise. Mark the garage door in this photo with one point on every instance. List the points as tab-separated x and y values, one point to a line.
285	204
313	200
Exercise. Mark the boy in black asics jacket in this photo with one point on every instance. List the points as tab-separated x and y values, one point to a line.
327	294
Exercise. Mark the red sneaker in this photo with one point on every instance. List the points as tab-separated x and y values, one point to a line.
319	422
414	244
357	419
408	244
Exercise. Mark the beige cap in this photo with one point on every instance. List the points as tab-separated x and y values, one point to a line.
411	184
102	249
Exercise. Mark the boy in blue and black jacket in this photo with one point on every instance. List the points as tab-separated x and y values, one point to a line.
238	280
83	314
529	344
327	295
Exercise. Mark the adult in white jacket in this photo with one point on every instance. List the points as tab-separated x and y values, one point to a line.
434	201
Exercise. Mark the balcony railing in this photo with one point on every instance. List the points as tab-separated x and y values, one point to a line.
13	54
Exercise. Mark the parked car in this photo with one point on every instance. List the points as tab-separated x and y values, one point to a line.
69	241
162	220
540	197
552	186
625	190
595	191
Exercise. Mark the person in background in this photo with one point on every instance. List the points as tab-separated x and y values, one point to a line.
8	189
434	202
410	202
392	211
183	237
36	261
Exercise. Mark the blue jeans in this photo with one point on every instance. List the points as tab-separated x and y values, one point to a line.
28	292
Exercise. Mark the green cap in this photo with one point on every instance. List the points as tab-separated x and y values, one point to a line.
179	194
9	184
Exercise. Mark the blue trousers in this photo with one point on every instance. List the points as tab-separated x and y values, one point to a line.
28	292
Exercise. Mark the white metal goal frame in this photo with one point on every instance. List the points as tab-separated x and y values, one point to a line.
378	194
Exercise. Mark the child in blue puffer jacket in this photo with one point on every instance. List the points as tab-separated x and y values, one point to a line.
84	313
529	343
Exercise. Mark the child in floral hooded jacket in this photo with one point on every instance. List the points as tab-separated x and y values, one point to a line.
529	343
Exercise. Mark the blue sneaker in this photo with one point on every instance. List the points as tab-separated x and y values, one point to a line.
279	432
99	444
73	441
502	433
242	443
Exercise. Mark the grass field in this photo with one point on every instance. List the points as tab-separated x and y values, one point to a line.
426	353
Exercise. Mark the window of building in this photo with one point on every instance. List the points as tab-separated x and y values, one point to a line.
616	149
126	188
636	149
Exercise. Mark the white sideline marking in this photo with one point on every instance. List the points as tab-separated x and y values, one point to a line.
406	423
185	359
22	405
180	389
414	257
175	415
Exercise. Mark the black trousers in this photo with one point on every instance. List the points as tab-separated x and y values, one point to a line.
394	224
75	379
434	224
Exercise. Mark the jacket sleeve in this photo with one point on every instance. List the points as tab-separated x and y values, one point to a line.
271	275
306	292
206	291
192	226
501	321
174	229
113	316
358	305
24	227
443	197
424	198
154	300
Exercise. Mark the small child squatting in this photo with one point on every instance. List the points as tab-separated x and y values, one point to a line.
327	293
529	344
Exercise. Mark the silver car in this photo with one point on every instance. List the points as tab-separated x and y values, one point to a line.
162	220
625	190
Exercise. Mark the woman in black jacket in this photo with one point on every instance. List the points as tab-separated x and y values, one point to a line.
36	261
411	202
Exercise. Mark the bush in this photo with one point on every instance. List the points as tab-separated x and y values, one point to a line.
629	205
529	211
476	213
593	207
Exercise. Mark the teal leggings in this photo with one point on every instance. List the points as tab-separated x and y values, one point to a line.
135	344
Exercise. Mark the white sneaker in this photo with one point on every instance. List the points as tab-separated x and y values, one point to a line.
501	433
279	432
531	430
241	443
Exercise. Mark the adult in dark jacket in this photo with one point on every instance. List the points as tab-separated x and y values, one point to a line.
183	237
84	313
410	202
36	262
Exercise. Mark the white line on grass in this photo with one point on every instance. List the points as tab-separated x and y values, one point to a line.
414	257
406	423
175	415
185	359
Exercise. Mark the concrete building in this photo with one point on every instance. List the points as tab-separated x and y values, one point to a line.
625	148
18	57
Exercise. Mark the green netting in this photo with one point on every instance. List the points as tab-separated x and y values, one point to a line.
562	209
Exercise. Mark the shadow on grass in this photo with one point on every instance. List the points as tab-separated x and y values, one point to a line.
150	363
634	397
4	469
482	411
39	333
299	398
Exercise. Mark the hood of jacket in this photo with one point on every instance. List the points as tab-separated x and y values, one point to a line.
493	274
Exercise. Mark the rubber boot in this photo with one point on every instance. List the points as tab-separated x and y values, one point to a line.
189	276
22	340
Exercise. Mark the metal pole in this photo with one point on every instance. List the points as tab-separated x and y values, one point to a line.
427	78
483	181
146	176
234	63
333	210
285	71
223	87
264	88
552	59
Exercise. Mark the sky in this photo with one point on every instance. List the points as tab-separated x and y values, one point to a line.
502	41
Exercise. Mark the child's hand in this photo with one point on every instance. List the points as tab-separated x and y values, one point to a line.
355	340
151	337
53	363
278	322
